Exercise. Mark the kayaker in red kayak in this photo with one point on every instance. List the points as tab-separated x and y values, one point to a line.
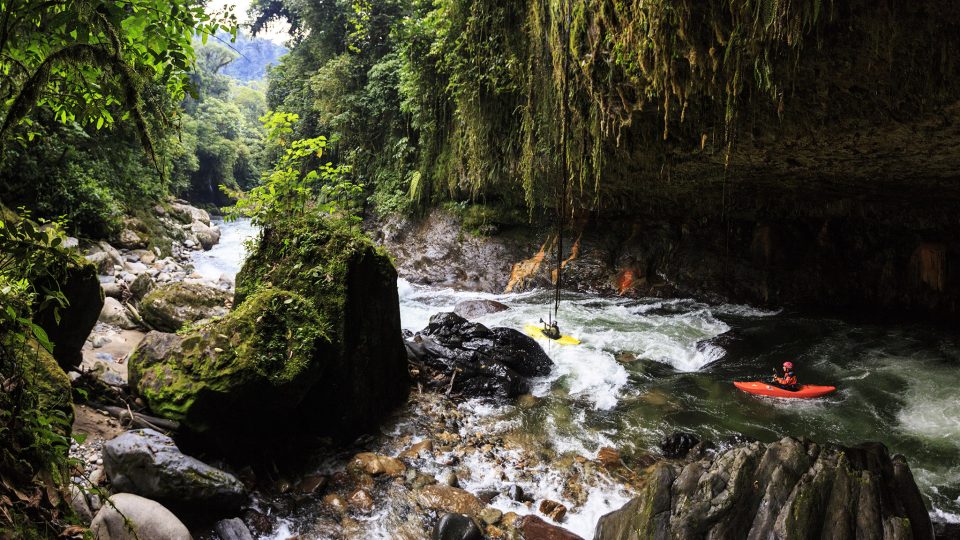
789	379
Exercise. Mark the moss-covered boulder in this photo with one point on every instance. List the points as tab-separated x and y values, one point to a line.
248	372
69	326
48	385
170	307
353	285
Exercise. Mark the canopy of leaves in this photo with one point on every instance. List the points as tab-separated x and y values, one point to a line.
466	100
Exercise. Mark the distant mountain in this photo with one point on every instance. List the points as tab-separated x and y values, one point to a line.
255	55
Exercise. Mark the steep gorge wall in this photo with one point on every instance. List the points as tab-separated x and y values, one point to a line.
893	263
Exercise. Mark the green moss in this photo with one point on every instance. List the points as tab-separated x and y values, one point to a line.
313	256
267	348
149	227
49	382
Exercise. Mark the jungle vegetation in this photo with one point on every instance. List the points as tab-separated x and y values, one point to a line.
469	101
90	94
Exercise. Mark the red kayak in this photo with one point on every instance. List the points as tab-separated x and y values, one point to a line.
766	389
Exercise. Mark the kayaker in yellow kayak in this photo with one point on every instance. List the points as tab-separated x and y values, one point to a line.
551	329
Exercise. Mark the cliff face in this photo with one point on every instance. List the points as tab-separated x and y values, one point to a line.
900	262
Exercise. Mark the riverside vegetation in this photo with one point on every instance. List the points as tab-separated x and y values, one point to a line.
798	154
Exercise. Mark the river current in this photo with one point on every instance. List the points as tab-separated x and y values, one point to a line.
651	367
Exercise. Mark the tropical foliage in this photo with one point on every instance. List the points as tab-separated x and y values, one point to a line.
435	100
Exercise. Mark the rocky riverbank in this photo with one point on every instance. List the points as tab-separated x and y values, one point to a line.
453	462
814	258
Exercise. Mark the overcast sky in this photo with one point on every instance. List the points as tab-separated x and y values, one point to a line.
274	32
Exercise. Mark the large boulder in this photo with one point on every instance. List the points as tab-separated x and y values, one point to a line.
207	235
353	285
169	307
149	464
313	345
130	517
787	489
48	383
68	327
187	213
493	362
246	374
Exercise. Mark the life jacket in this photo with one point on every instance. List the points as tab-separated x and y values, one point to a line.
788	379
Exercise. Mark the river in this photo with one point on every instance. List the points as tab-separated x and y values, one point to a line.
650	367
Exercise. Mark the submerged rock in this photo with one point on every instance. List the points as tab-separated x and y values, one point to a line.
678	445
148	463
449	499
456	527
471	309
534	528
131	517
233	529
486	362
169	307
787	489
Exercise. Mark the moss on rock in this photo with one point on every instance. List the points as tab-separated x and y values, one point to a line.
170	307
246	369
353	285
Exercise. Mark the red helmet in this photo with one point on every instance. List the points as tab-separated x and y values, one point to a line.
788	365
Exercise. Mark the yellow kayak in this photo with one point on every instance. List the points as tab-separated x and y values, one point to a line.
535	331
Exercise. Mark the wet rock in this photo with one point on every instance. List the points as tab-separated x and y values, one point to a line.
361	500
553	510
169	307
336	502
488	495
449	499
310	484
516	493
149	464
454	526
534	528
526	401
374	465
472	309
206	235
945	530
789	488
677	445
609	457
490	515
448	478
418	450
114	313
131	517
233	529
487	362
